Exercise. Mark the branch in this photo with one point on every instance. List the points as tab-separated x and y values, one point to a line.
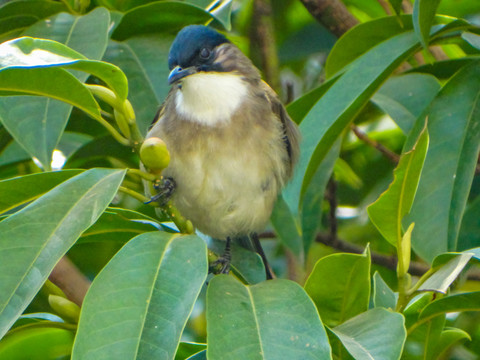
262	36
332	14
375	144
70	280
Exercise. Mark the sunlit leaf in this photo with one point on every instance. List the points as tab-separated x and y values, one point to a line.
375	334
37	236
454	130
340	297
138	305
388	211
261	324
423	16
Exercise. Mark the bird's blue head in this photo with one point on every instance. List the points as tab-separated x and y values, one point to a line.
193	51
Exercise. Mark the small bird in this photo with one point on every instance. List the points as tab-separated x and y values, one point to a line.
232	144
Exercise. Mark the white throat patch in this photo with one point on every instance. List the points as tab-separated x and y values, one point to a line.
210	98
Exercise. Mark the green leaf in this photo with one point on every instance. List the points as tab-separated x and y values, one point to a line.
149	289
340	297
448	338
37	236
187	349
472	39
246	264
335	110
160	17
17	15
423	16
375	334
383	296
117	224
261	324
223	13
390	208
42	343
312	205
42	126
452	303
469	235
406	97
396	5
447	267
361	38
146	70
454	130
21	190
287	227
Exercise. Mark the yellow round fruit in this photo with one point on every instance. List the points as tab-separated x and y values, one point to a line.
154	154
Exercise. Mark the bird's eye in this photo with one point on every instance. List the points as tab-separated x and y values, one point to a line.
204	53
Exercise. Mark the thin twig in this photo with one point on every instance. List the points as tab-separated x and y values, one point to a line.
375	144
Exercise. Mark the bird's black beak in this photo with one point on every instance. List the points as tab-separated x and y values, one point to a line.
178	73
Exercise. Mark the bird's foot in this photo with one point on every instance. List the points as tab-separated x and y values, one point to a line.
165	189
222	264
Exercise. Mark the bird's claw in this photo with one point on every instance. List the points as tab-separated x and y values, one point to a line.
220	266
165	189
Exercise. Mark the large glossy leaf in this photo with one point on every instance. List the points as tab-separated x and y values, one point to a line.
119	225
19	14
375	334
42	126
469	235
388	211
261	324
36	237
406	97
447	267
448	338
453	303
363	37
146	70
454	129
37	343
138	305
423	15
164	17
334	111
21	190
340	297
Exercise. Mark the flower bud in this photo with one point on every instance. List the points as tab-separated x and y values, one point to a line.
154	154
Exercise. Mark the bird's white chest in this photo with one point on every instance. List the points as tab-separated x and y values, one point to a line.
210	98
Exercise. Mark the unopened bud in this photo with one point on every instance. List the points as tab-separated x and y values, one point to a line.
154	154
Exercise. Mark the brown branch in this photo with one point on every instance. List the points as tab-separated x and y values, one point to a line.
262	36
375	144
387	261
385	7
332	14
70	280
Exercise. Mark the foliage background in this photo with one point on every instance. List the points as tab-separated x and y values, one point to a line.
362	99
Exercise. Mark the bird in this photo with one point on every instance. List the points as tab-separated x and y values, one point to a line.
232	144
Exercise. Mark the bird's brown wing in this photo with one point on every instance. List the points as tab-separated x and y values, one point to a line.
291	133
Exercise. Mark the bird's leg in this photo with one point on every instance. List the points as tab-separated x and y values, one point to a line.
165	189
223	262
258	248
